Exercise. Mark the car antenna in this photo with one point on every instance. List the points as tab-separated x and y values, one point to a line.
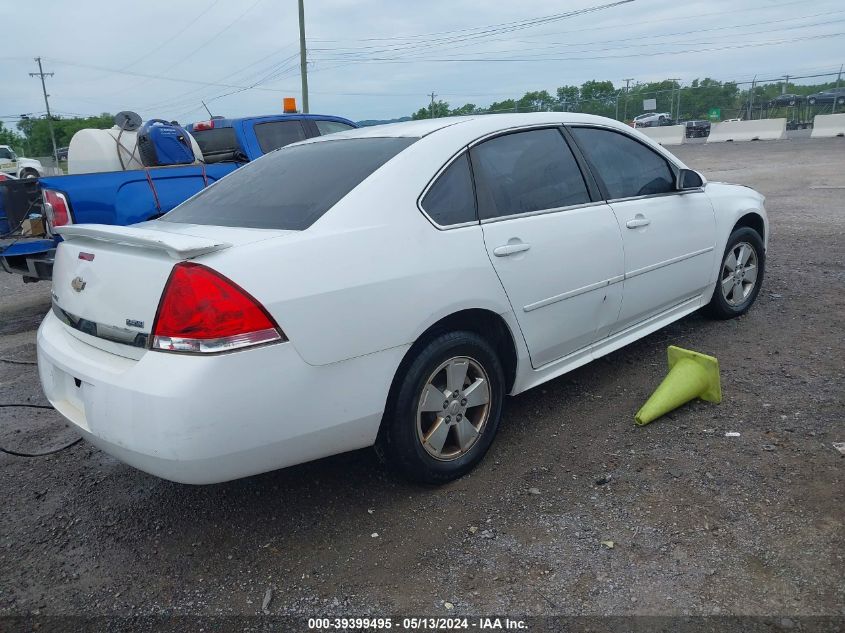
206	108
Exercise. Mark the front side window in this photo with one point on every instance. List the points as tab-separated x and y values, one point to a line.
451	200
330	127
289	189
275	134
6	153
526	171
627	167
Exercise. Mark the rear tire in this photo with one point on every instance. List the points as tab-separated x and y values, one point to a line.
445	409
740	275
29	173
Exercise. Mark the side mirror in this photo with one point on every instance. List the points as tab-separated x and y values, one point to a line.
689	179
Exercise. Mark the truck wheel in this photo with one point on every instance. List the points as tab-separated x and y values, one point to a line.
29	173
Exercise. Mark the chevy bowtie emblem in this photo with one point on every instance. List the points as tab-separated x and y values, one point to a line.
78	284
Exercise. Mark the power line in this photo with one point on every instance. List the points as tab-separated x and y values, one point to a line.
394	60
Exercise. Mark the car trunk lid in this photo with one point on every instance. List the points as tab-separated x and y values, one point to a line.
108	280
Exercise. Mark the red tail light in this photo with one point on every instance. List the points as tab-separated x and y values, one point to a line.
56	208
202	311
203	125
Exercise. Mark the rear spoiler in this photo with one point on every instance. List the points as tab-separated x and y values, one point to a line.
176	245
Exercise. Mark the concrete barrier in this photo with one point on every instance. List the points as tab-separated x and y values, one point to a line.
757	130
828	125
666	134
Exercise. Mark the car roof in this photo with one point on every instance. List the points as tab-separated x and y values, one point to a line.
470	126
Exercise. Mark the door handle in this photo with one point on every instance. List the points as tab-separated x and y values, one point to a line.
510	249
638	221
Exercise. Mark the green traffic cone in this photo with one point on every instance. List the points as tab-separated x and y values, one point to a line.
691	375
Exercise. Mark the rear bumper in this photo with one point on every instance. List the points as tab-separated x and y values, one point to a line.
203	420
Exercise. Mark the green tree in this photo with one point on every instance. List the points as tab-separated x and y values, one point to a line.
598	97
464	110
536	101
568	98
37	131
433	111
499	107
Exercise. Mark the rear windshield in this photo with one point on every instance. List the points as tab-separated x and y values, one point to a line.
217	141
291	188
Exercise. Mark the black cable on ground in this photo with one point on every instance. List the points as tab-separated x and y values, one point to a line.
17	362
18	453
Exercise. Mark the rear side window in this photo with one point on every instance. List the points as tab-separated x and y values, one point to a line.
451	200
627	167
275	134
216	141
330	127
526	171
289	189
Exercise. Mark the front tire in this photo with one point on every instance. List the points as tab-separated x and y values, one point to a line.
445	409
29	173
740	275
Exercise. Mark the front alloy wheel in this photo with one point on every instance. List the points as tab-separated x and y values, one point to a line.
740	275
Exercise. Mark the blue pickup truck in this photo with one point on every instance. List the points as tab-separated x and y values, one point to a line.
128	197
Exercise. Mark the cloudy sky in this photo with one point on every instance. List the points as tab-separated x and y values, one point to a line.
381	58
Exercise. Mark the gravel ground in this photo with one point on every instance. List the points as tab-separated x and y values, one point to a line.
700	523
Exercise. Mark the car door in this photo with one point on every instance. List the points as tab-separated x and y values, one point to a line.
554	245
668	235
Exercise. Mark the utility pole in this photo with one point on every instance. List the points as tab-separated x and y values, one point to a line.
751	99
42	74
836	96
627	83
431	107
303	62
672	96
785	86
679	103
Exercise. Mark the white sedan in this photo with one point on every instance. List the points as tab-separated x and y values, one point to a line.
387	286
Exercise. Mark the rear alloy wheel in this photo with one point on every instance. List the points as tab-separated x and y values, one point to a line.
740	275
446	410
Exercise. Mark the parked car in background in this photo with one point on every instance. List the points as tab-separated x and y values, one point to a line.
19	167
653	119
827	97
384	285
61	153
786	100
697	129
